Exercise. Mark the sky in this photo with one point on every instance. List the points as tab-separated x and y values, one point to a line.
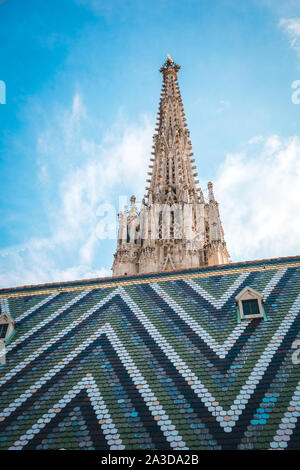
82	91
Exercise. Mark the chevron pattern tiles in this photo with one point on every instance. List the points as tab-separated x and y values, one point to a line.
154	362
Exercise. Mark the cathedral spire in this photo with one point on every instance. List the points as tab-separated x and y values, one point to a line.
172	170
175	228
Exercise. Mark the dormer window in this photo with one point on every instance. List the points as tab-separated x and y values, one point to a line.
3	330
250	307
7	326
250	304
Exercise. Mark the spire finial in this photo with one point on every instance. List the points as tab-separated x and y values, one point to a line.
169	66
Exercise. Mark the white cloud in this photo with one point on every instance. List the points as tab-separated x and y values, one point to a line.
89	173
257	139
258	191
259	200
291	27
29	265
223	105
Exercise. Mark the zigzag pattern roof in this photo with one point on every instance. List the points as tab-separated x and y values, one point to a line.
154	362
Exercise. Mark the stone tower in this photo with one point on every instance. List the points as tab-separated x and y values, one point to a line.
175	227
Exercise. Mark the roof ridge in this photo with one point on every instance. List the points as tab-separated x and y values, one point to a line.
113	279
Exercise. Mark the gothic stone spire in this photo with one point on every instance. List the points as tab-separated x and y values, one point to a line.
172	171
175	227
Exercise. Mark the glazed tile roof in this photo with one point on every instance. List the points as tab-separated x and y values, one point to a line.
155	361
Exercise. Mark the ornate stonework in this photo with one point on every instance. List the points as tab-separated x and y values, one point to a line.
175	228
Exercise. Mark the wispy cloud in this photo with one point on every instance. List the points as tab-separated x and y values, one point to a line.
223	105
258	192
86	174
291	27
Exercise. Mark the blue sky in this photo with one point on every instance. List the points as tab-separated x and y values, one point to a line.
82	92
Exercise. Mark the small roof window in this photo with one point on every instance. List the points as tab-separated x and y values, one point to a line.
250	304
3	330
250	307
7	326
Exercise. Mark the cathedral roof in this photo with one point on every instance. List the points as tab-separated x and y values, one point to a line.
154	361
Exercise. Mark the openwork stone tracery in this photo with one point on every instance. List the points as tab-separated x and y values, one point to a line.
175	228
